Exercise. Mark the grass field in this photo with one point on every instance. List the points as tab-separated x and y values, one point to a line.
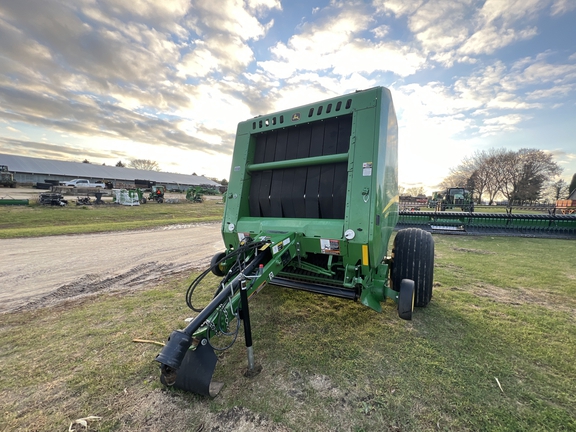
494	350
36	220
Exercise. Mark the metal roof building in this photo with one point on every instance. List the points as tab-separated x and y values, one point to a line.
35	170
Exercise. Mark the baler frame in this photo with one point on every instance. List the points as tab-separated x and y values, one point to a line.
311	204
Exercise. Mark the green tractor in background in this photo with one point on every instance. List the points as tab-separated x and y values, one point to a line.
157	194
6	177
194	194
452	198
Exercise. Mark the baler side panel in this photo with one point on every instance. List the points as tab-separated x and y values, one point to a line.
386	177
239	185
360	185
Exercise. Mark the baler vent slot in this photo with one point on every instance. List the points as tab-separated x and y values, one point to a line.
267	123
306	190
261	125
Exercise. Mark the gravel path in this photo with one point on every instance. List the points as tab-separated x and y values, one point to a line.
45	270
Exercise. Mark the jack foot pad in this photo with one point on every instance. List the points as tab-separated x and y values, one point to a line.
251	373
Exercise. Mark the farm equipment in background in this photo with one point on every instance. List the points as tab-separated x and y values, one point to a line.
53	199
452	198
6	177
494	224
83	200
156	194
194	194
9	201
208	190
565	207
127	197
311	205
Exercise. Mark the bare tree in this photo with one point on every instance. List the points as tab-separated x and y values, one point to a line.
415	191
486	177
526	172
557	190
458	177
519	176
144	164
120	164
471	174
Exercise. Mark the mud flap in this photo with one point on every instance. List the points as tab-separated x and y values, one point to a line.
195	372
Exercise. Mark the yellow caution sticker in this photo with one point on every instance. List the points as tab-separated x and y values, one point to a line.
365	255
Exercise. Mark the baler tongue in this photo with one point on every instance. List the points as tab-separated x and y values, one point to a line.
195	372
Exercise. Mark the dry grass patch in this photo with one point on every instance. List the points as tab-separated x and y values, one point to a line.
328	364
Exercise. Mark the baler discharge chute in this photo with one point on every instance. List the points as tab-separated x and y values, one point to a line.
311	204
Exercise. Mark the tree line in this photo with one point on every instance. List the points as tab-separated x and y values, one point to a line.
522	176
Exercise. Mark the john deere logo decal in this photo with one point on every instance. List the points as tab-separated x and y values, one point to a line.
295	116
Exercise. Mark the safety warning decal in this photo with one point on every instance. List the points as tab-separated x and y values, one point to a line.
367	169
279	246
243	235
328	246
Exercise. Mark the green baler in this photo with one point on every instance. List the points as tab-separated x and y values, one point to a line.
311	205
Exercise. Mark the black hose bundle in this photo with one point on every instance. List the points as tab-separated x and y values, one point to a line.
240	254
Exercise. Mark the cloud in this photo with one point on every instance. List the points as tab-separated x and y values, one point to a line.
490	38
504	123
560	7
493	99
333	45
458	31
557	92
56	151
398	7
119	69
381	31
223	30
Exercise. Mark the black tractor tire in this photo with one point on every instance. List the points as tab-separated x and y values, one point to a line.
160	200
218	270
413	251
143	200
406	299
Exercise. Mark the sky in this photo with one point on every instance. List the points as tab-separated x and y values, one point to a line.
168	81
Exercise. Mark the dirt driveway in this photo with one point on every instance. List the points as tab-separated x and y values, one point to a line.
45	270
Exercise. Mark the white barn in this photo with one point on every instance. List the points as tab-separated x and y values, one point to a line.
29	170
